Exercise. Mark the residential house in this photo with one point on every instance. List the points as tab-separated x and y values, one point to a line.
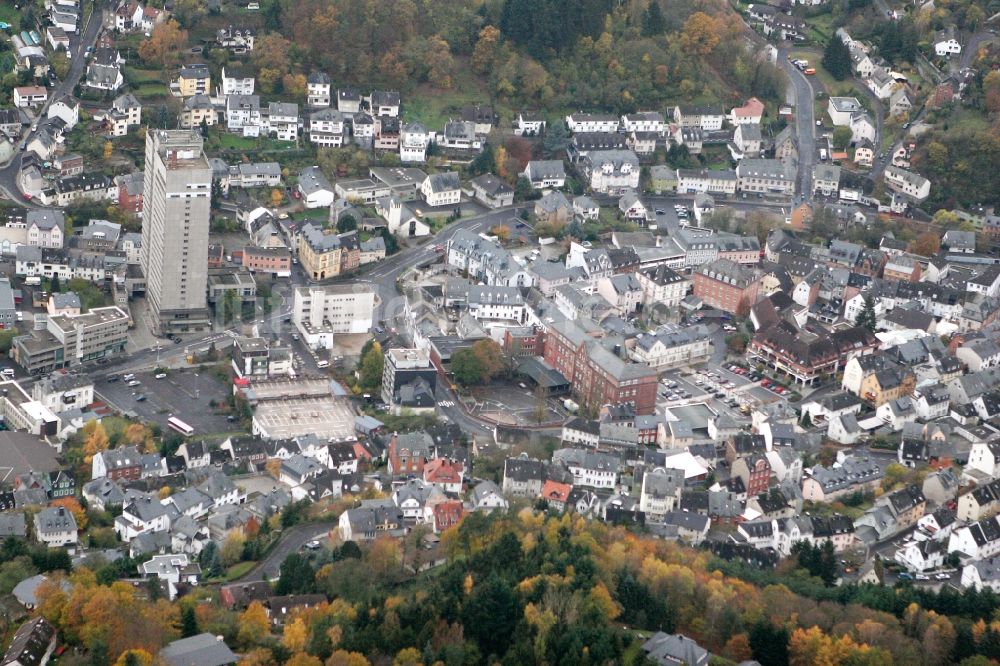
611	171
545	174
55	527
442	189
492	191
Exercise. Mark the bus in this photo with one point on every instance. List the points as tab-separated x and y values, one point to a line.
181	427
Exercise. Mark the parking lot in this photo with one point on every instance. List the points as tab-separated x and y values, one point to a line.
725	387
182	393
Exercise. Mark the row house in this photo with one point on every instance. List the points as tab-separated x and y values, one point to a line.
592	122
671	349
981	501
589	468
708	118
90	187
485	261
710	181
782	347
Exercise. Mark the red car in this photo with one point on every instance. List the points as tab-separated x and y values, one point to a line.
28	197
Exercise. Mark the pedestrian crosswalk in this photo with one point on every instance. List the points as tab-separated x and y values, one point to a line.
446	403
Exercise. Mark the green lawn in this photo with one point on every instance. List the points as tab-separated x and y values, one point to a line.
238	570
150	91
135	75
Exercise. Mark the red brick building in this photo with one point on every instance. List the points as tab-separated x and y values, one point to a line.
524	341
597	375
129	192
726	285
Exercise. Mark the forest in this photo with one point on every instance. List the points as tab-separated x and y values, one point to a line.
526	587
554	55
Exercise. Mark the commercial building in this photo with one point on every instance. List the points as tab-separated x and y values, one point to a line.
405	368
320	312
765	176
177	198
71	340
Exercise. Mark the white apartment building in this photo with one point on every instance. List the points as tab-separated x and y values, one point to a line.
236	82
612	171
644	121
497	304
413	141
283	120
318	90
907	182
326	128
661	284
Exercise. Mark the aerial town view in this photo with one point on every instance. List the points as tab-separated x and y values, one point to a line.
499	332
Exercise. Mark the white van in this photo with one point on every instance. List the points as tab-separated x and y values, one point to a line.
322	364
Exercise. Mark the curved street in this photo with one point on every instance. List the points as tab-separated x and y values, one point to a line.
291	541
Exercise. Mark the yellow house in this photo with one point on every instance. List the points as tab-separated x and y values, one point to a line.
881	387
319	252
194	80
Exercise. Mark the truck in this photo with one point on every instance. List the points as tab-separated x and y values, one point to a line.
822	154
33	281
849	195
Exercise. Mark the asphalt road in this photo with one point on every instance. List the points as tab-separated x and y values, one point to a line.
803	96
291	541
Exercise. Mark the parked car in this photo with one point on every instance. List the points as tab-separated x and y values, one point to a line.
921	576
942	576
134	382
140	398
161	375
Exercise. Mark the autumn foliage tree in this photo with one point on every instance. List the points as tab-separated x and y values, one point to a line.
165	45
95	440
926	244
254	625
700	34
